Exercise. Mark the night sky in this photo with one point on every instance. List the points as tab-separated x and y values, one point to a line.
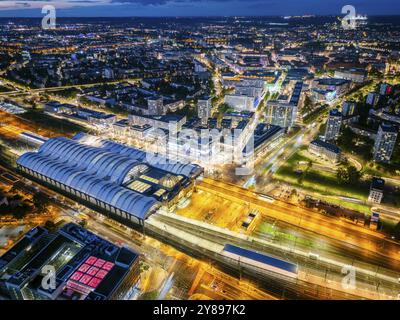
103	8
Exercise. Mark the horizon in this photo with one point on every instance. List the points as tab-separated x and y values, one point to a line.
194	8
305	16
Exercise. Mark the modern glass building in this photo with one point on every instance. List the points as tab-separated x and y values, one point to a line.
125	183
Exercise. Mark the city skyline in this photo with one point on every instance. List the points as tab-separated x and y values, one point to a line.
159	8
202	158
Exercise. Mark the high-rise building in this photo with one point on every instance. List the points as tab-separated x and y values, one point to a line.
69	264
373	98
385	89
333	125
385	142
348	108
204	109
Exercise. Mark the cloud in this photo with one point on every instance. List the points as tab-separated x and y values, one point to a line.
25	4
196	7
163	2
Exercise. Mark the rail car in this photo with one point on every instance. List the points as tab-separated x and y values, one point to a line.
260	260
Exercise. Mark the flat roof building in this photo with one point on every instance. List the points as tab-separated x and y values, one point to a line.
326	150
376	190
85	266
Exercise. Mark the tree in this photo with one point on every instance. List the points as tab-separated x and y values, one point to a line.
20	211
40	201
348	175
308	104
50	225
346	139
353	174
344	161
83	223
341	175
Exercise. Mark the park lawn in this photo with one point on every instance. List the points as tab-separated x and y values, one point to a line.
372	169
318	180
360	207
299	156
302	155
4	89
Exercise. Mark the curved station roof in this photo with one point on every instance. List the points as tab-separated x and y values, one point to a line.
99	168
155	160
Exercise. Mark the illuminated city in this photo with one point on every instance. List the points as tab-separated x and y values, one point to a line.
147	155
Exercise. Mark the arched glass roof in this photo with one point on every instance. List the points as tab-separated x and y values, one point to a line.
94	171
99	168
186	169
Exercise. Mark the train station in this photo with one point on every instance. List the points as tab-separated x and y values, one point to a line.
124	183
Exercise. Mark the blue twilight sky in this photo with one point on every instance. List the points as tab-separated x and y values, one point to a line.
103	8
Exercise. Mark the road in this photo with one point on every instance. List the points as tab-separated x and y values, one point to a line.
25	91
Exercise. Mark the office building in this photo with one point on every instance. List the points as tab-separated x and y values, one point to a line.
348	108
333	125
166	122
325	150
373	98
281	114
355	75
204	109
385	142
241	102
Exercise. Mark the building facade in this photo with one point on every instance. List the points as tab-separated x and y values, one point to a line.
376	190
385	142
204	108
325	150
281	114
333	125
